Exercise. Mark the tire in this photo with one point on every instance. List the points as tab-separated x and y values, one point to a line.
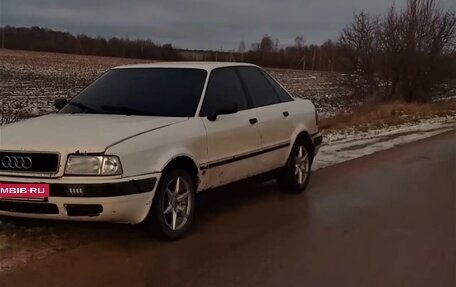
173	208
295	176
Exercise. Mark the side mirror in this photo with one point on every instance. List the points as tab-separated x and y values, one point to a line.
60	103
223	109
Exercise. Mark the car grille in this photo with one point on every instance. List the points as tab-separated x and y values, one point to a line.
23	162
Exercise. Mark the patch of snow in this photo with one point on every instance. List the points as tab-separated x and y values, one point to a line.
445	98
339	146
305	78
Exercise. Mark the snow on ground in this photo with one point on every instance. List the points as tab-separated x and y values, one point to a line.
322	88
340	146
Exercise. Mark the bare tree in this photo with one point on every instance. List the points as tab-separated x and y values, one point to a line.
414	44
404	54
300	42
267	44
241	49
360	47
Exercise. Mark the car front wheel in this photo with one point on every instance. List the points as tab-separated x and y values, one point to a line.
174	204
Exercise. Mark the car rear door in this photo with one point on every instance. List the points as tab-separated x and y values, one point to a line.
233	140
273	112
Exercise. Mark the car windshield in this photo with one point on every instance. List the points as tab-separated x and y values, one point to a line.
166	92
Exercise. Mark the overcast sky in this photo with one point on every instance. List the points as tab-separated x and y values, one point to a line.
195	24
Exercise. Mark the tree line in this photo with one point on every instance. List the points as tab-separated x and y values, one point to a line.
265	53
269	53
47	40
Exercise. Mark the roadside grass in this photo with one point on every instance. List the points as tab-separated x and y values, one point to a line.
379	115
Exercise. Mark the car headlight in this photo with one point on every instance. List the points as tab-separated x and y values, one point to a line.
93	165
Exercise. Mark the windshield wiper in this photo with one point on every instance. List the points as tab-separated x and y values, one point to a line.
82	107
125	110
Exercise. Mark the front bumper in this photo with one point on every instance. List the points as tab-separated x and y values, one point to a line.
126	200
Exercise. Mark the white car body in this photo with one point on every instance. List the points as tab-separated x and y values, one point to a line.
222	151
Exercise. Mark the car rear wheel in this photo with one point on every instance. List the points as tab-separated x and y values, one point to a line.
295	176
173	205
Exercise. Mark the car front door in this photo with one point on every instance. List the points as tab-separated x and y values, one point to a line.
273	111
233	140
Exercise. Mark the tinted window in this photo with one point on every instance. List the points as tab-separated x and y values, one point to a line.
170	92
283	95
224	87
260	90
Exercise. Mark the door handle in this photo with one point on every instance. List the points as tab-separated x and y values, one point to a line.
286	114
253	121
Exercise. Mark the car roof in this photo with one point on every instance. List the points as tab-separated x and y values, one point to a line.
188	65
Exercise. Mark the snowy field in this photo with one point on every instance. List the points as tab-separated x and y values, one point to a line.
30	81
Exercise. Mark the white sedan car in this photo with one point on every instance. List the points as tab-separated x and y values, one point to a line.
138	143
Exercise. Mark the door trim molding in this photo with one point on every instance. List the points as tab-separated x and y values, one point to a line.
244	156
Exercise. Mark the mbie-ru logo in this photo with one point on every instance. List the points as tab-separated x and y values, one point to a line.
17	190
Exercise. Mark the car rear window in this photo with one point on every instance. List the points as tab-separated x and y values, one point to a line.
283	95
260	90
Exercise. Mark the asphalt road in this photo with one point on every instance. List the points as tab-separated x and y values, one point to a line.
388	219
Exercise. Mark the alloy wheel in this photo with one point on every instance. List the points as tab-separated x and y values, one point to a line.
301	166
177	203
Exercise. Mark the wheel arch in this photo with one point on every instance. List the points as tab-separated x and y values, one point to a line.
305	136
187	163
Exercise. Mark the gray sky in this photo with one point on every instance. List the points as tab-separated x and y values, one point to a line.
195	24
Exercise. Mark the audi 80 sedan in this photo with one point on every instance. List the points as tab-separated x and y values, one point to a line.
139	142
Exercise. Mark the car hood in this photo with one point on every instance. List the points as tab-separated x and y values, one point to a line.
84	133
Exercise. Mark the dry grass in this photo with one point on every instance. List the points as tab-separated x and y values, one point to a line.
388	114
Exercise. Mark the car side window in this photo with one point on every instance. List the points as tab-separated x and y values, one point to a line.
224	86
283	95
260	90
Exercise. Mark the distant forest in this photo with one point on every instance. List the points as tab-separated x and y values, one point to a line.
268	52
47	40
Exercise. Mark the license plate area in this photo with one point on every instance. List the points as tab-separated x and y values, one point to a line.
24	192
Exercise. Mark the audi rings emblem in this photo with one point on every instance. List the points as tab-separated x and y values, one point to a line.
17	162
